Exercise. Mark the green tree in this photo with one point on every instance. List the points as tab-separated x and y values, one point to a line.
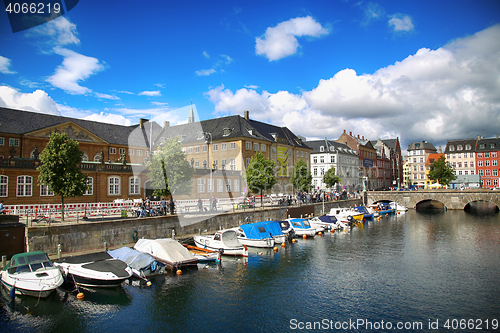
441	171
330	178
301	177
260	175
169	171
59	168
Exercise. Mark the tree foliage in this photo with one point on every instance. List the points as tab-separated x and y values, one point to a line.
59	168
259	175
441	171
330	178
301	177
169	171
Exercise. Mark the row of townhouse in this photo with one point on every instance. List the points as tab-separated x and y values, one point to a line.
360	163
475	162
115	156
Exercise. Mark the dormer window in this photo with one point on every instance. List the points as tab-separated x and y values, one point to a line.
332	148
468	147
227	131
181	138
492	145
321	149
452	148
460	147
481	146
251	131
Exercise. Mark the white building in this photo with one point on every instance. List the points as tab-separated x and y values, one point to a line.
327	154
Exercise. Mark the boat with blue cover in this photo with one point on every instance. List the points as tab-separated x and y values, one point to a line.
327	222
259	234
302	227
369	212
142	264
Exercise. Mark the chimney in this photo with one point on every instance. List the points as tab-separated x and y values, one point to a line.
440	149
166	124
363	137
358	136
141	122
246	115
350	133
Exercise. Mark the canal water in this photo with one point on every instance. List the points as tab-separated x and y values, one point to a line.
412	272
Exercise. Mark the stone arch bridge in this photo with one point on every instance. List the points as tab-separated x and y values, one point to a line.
451	199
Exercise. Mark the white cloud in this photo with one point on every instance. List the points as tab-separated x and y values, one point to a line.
37	101
4	66
401	22
280	41
372	12
206	55
61	31
75	67
106	96
110	118
150	93
447	93
205	72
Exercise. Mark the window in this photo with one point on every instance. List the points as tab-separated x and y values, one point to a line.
315	171
247	162
452	148
215	147
494	154
90	188
112	150
481	146
2	141
4	186
297	153
223	164
45	191
227	131
190	150
262	147
487	163
486	155
139	152
205	164
487	173
201	185
332	159
197	164
131	152
321	149
256	147
233	164
315	159
479	163
460	147
205	148
14	142
219	185
223	146
210	186
135	185
481	173
228	185
232	145
113	185
121	151
197	149
24	186
494	162
492	145
471	165
236	185
215	164
321	159
248	145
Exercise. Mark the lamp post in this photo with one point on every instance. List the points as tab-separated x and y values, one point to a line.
206	134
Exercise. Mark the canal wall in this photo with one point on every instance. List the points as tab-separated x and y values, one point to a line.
95	235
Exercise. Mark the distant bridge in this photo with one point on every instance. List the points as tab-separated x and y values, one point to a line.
451	199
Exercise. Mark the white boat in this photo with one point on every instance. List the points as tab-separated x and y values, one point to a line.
327	222
224	241
342	214
398	207
142	264
260	234
302	227
168	251
31	274
94	270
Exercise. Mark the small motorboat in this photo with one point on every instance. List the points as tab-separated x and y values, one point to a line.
302	227
397	207
142	264
382	208
327	222
343	213
203	255
94	270
31	274
260	234
369	212
225	241
168	251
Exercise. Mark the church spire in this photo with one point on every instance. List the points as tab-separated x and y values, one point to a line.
191	114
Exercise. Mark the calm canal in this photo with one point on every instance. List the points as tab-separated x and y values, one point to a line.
413	272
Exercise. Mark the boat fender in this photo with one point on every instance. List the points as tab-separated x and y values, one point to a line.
135	235
12	293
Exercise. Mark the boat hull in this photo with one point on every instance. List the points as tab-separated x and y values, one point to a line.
261	243
36	288
208	242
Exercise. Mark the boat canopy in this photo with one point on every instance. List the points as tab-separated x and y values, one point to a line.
328	219
362	209
28	262
262	230
300	223
230	238
166	250
135	259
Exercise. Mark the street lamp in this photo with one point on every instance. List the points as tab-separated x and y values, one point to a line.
205	135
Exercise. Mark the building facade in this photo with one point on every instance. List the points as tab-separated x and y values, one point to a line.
418	153
488	161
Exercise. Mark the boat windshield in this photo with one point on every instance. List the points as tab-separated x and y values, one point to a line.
306	223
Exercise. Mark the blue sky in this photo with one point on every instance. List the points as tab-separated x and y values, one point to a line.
417	70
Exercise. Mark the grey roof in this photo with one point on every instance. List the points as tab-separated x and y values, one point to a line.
489	145
23	122
316	144
425	145
391	143
238	126
463	142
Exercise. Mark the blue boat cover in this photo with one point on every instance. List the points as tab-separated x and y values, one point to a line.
300	223
135	259
262	230
328	219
